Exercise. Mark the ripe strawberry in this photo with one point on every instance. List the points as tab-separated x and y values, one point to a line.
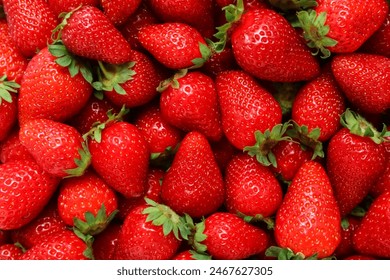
193	184
246	107
364	78
190	102
220	62
175	45
308	221
64	245
10	252
348	226
30	24
383	183
118	11
85	33
12	149
360	257
223	152
355	159
251	188
121	158
105	242
48	91
249	4
379	42
26	189
229	237
372	236
58	148
140	239
61	6
8	109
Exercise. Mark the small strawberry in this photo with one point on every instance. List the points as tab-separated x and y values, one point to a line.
175	45
30	24
26	189
189	101
308	221
12	149
372	236
105	242
383	183
379	42
118	11
348	226
248	4
364	79
65	6
10	252
58	148
8	106
360	257
193	184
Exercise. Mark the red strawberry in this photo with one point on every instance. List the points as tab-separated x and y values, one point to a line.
383	183
48	90
223	151
246	107
61	6
58	148
175	45
379	42
251	188
364	78
185	255
118	11
105	242
190	102
26	189
348	227
89	33
354	161
372	237
360	257
30	24
193	184
229	237
308	221
219	62
64	245
10	252
12	149
249	4
139	239
8	109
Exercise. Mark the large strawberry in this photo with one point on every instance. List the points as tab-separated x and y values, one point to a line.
308	221
48	91
364	78
26	189
30	24
118	11
190	102
58	148
356	157
193	184
65	6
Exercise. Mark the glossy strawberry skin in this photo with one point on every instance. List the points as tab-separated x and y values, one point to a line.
364	80
83	194
193	106
372	236
379	42
251	188
245	107
263	31
194	183
105	242
231	238
185	255
53	145
61	6
8	116
98	33
121	158
119	11
48	91
30	24
12	149
141	240
383	183
308	221
27	188
354	163
10	252
174	45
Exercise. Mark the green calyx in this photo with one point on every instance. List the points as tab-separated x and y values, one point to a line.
296	5
172	81
266	141
82	162
258	218
315	31
307	138
287	254
6	87
206	54
57	31
360	126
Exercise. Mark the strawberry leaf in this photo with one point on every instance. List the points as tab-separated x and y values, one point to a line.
82	163
199	256
285	254
6	87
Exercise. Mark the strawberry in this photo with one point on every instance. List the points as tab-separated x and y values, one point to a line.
119	11
58	148
12	149
48	91
190	102
372	236
251	188
360	257
64	245
220	62
10	252
341	27
355	160
140	239
364	80
245	107
223	152
65	6
185	255
249	4
348	226
383	183
105	242
197	13
379	42
86	201
175	45
8	107
26	189
229	237
193	184
85	33
308	221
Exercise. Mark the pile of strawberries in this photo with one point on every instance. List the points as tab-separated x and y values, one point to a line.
194	129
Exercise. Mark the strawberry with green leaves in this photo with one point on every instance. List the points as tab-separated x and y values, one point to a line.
8	106
118	11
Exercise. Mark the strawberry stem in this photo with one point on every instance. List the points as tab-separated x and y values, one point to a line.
6	87
82	163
